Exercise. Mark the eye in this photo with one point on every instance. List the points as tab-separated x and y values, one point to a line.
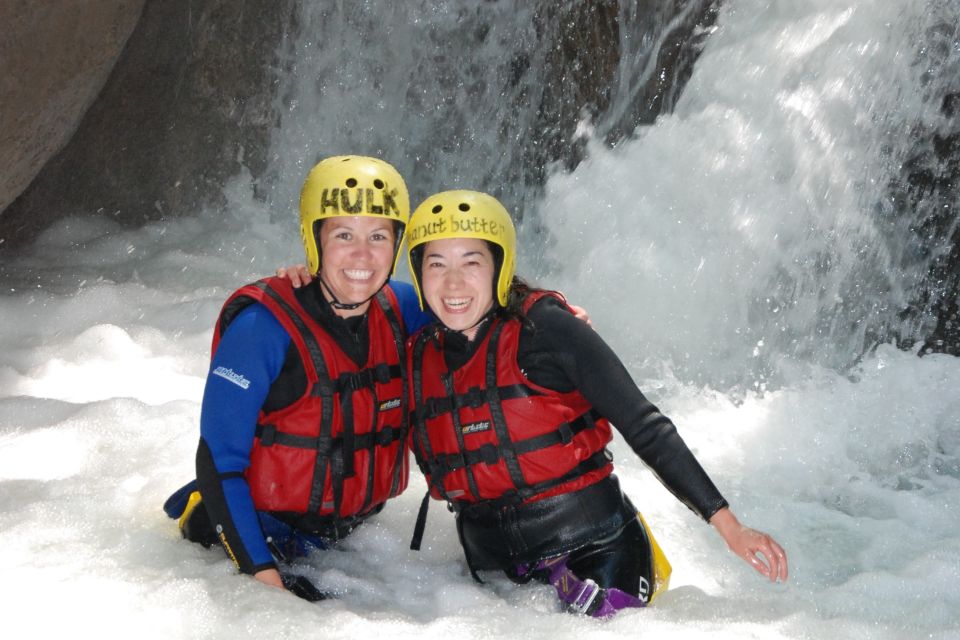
343	235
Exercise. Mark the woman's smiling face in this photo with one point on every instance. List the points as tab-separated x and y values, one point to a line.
356	258
457	280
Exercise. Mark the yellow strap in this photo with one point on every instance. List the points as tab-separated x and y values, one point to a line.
192	503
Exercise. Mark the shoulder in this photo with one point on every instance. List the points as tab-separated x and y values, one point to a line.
257	290
552	310
403	291
255	324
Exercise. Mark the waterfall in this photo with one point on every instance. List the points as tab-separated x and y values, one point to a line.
753	228
467	94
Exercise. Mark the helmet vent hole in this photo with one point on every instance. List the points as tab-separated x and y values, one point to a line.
437	208
464	206
378	183
351	182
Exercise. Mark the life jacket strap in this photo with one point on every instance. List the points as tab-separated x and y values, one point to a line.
514	497
488	454
474	398
269	436
421	523
367	378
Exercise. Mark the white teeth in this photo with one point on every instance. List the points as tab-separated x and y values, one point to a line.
358	274
456	303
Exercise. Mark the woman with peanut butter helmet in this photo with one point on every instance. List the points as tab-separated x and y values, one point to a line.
512	402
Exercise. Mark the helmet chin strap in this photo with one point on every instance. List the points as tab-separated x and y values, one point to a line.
483	318
347	306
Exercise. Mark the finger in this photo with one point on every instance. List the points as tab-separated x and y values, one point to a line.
281	272
781	556
304	274
776	560
762	567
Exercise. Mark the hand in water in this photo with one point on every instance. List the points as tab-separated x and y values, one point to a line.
752	545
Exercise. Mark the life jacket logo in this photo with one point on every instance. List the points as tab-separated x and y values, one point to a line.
363	201
475	427
386	405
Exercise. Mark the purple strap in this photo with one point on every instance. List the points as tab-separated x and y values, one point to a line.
583	596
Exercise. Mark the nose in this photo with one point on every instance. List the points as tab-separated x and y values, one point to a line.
453	278
362	249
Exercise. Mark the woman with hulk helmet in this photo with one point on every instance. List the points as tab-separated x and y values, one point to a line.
303	420
512	402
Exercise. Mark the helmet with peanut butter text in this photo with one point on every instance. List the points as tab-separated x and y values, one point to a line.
351	186
463	214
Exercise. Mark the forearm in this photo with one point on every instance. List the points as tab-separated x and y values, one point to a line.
563	345
227	499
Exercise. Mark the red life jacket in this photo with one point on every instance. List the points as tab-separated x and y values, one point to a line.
340	449
486	433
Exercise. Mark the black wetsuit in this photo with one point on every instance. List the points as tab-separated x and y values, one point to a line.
609	545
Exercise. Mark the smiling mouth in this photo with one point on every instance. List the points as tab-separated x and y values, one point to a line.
456	304
360	275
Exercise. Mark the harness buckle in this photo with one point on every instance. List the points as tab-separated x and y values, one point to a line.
582	601
566	433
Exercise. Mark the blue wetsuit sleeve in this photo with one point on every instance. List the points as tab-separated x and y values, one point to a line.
413	316
248	359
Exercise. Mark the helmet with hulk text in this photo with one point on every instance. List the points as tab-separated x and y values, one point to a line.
351	186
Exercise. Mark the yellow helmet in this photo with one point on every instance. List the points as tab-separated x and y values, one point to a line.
463	214
351	186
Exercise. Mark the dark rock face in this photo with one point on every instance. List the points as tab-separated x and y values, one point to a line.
54	60
186	105
929	193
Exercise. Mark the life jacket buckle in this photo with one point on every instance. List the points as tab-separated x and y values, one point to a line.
386	436
268	434
383	373
488	454
474	397
566	433
355	381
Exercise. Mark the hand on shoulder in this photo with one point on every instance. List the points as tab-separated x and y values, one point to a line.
297	274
